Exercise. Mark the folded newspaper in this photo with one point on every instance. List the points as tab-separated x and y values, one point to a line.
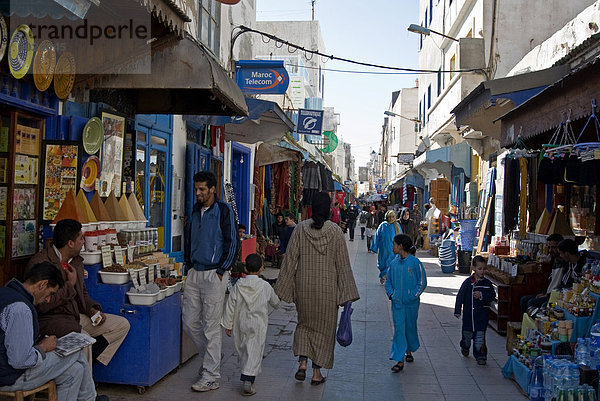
73	342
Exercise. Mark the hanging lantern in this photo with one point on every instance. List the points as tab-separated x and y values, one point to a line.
229	1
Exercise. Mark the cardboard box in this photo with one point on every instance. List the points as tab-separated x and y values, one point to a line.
501	250
512	330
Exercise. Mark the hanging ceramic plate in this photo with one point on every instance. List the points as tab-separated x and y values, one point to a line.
92	136
90	172
64	75
3	37
20	51
44	62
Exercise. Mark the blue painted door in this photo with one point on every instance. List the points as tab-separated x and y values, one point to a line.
240	179
197	159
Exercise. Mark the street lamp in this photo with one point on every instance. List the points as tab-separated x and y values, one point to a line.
392	114
426	31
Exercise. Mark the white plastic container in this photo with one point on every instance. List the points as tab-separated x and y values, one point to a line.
142	299
178	286
121	225
161	295
114	277
171	289
141	224
91	258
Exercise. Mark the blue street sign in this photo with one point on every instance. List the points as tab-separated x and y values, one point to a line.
310	121
262	76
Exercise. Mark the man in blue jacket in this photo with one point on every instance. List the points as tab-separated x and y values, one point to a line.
211	246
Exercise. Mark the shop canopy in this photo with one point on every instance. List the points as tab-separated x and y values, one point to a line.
440	161
569	97
266	122
185	79
171	13
411	178
271	154
490	99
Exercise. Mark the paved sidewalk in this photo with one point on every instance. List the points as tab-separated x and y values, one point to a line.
362	370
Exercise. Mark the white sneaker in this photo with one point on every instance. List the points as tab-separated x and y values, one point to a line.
205	385
248	389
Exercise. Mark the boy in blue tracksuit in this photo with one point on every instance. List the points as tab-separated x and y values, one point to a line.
211	246
474	298
406	281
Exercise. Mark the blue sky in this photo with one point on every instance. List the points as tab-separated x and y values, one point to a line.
371	31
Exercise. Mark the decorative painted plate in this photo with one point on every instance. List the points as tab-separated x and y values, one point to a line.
92	136
44	62
64	75
90	171
20	51
3	37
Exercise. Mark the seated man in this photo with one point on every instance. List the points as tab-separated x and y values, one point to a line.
537	300
26	363
71	308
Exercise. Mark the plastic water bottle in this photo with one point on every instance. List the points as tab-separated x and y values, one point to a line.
582	354
594	355
595	335
536	384
573	376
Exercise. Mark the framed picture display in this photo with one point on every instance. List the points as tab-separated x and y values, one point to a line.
112	154
61	160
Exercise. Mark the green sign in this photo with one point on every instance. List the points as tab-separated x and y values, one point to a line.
333	142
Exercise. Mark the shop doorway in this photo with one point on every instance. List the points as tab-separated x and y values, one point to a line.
154	180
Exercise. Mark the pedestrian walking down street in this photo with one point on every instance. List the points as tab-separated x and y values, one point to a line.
408	226
474	298
317	276
210	251
371	227
406	281
351	215
362	222
383	243
246	316
335	214
344	218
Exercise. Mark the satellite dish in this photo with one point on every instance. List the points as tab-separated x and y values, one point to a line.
333	142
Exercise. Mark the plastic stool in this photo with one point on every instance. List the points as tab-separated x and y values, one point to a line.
20	395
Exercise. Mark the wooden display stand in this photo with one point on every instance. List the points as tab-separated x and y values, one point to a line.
21	137
507	308
425	237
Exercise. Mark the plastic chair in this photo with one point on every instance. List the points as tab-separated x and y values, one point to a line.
20	395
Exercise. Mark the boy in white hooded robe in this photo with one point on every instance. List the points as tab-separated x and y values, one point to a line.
246	316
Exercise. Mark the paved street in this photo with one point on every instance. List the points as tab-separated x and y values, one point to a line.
362	370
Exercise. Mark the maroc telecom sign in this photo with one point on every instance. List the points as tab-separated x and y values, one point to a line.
262	76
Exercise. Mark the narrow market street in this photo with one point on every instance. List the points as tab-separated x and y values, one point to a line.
362	370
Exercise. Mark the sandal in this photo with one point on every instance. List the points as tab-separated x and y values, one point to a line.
398	367
409	358
300	374
317	382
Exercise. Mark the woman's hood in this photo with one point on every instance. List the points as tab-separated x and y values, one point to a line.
319	239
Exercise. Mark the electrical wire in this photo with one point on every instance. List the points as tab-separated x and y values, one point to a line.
244	29
355	71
